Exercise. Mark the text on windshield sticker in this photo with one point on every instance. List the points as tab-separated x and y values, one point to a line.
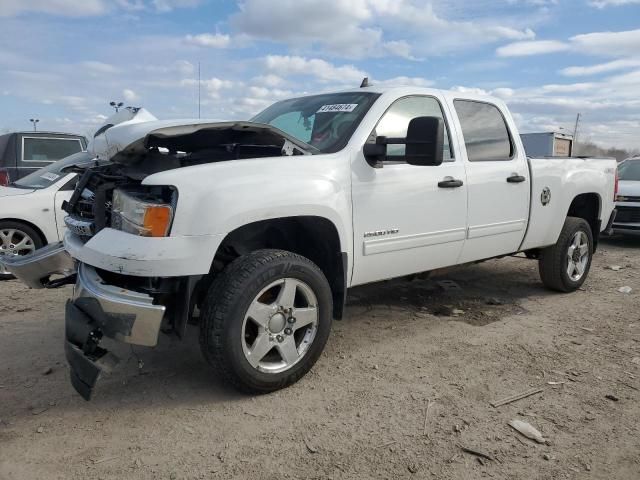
338	107
52	177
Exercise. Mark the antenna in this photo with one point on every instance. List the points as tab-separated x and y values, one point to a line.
575	129
199	89
365	82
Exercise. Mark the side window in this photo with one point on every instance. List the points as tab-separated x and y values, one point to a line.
485	132
395	121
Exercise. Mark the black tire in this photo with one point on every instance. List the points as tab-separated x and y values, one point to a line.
38	241
554	263
226	305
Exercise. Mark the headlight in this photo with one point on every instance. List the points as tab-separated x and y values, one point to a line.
141	214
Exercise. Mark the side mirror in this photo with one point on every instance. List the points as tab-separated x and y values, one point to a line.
424	142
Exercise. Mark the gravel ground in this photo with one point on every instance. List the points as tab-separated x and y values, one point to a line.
405	382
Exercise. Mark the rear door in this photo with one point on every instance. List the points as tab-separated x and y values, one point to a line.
37	151
407	218
497	178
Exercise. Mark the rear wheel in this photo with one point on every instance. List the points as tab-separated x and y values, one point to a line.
17	239
564	266
266	320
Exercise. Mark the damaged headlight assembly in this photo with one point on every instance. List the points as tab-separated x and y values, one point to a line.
142	213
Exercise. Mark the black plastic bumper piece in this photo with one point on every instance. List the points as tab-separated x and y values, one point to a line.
612	218
81	350
84	372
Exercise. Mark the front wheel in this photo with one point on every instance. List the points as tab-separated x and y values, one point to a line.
17	238
266	319
564	266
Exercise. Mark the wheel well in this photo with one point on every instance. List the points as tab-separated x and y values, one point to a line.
587	206
29	224
315	238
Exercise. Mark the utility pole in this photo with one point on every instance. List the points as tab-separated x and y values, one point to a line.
34	121
199	89
575	129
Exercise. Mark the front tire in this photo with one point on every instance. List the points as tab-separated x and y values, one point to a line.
564	266
265	320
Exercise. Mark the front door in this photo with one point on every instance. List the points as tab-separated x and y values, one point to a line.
407	218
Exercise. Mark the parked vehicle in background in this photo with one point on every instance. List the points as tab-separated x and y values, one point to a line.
30	208
22	153
628	198
264	225
31	213
547	144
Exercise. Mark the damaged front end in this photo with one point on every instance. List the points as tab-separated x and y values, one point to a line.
99	310
129	306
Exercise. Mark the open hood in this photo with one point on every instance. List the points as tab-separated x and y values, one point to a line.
127	142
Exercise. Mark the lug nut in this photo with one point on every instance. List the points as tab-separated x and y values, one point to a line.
280	338
288	331
291	320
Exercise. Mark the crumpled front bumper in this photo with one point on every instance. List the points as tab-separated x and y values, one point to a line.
35	269
100	310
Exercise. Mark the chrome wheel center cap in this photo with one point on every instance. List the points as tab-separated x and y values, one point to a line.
277	323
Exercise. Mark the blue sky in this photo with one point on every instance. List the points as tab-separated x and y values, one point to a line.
62	61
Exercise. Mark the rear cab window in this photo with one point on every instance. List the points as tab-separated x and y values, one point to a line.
485	131
49	149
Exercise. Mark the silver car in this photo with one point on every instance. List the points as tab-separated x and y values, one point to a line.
628	199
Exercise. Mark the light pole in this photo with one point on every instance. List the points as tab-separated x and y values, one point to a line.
116	105
34	121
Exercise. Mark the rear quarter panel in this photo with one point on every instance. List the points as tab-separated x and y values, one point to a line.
566	179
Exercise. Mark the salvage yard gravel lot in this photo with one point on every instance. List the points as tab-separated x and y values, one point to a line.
406	380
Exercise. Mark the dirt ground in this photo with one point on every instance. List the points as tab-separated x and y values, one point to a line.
406	380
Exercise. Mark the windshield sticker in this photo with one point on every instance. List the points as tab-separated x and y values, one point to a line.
52	177
338	107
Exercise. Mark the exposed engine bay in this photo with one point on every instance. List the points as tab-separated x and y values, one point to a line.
91	207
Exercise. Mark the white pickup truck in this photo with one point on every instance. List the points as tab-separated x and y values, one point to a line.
260	227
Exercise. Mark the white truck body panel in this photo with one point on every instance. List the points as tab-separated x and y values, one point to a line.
431	227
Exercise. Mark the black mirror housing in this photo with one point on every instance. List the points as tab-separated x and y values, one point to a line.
424	144
425	141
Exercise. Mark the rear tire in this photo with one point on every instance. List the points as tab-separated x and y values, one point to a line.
12	235
265	320
564	266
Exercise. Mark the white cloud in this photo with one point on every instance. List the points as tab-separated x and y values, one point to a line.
130	96
86	8
169	5
216	40
324	71
536	47
402	81
610	44
96	67
369	28
612	3
607	67
68	8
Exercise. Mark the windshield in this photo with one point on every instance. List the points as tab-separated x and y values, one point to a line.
629	170
47	176
323	121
